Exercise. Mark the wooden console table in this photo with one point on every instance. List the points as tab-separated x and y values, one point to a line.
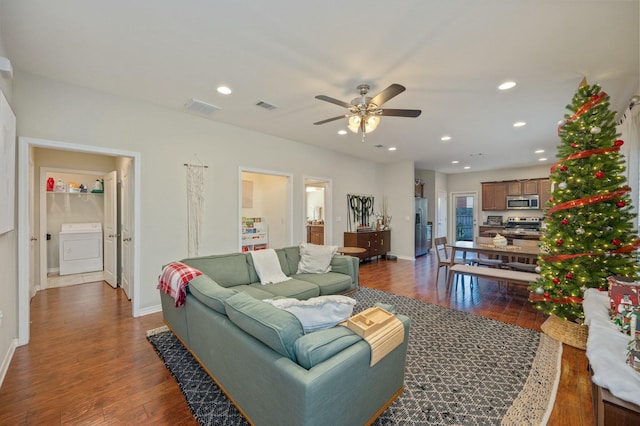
375	243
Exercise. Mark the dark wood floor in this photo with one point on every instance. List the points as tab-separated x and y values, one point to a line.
89	361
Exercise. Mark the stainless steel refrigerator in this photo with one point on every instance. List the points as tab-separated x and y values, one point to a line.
421	238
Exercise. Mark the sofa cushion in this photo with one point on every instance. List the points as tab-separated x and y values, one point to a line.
274	327
210	293
292	255
225	269
314	348
298	289
267	266
256	290
329	283
315	259
318	312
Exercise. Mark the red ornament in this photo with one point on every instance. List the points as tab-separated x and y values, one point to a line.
546	294
559	241
619	142
599	174
621	204
574	145
569	276
616	242
563	168
551	199
565	221
556	280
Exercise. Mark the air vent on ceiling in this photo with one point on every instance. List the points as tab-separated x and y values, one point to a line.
201	107
266	105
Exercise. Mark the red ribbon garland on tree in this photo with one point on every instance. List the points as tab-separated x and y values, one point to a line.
559	300
595	100
560	257
585	154
588	200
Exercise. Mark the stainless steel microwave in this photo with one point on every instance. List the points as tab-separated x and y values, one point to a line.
530	202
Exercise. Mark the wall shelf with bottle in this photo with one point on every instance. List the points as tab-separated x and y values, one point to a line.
255	234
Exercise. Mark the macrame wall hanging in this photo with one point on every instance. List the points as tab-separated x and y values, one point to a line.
195	204
360	206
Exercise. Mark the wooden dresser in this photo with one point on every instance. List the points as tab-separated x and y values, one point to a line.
376	243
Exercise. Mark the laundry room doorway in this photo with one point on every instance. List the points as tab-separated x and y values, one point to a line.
78	216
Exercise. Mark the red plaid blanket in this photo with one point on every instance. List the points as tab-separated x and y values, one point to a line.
174	279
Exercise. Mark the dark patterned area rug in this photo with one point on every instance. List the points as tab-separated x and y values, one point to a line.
462	369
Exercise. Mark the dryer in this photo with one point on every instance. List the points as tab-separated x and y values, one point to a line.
80	248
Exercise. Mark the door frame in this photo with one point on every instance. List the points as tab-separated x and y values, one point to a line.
328	208
452	212
288	226
24	153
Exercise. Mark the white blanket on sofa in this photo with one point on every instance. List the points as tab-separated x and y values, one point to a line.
268	266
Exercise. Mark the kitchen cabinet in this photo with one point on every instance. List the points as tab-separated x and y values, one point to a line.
494	196
544	188
527	187
376	243
315	234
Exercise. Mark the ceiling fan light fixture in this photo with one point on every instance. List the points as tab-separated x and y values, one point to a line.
354	123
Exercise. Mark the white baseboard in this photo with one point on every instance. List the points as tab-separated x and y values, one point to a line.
150	310
7	360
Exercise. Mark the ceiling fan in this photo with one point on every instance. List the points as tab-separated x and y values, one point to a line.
364	111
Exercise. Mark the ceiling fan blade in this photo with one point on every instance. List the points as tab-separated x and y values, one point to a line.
388	93
331	119
401	112
333	101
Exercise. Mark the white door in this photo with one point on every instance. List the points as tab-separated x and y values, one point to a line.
464	211
441	225
110	229
126	253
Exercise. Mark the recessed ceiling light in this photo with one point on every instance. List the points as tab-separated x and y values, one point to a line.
507	85
542	159
445	138
538	151
467	167
519	124
392	148
342	132
224	90
455	162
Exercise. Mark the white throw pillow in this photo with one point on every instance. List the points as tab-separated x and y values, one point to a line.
315	259
268	267
318	312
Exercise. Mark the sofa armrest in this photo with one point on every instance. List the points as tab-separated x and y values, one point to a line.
347	265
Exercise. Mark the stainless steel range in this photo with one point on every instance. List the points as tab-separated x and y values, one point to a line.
523	224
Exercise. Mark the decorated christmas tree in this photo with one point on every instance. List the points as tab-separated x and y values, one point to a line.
589	234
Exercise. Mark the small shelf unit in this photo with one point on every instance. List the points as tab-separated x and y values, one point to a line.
255	235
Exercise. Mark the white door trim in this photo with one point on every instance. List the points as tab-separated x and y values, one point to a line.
24	145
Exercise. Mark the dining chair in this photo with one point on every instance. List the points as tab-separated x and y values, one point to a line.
444	257
523	263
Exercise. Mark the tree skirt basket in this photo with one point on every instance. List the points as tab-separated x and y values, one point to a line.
569	332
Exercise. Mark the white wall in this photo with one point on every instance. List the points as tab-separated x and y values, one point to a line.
166	139
398	184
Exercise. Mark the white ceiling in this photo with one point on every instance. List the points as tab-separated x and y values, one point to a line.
450	55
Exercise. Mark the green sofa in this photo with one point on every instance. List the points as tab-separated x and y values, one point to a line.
261	358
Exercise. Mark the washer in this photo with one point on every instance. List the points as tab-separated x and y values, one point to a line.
80	248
